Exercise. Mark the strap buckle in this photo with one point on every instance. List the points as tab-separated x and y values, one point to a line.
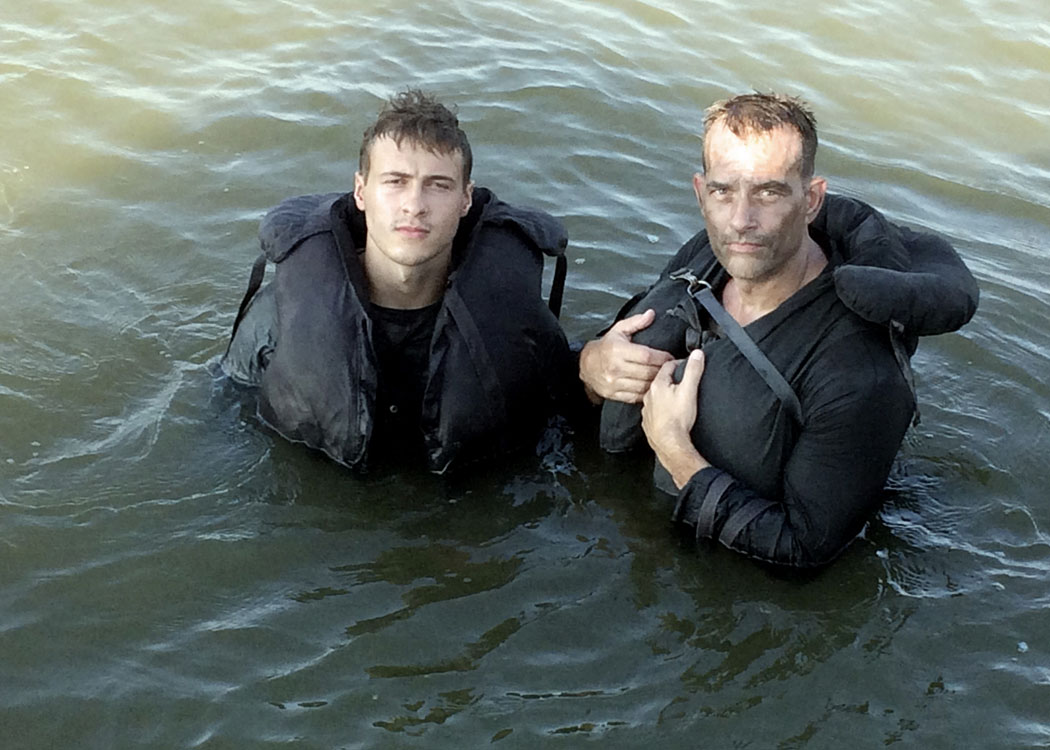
695	284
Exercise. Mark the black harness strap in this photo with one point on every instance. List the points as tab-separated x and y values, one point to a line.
904	362
742	518
705	519
495	403
561	267
254	282
700	291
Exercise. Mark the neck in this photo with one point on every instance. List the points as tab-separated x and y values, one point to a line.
748	300
404	287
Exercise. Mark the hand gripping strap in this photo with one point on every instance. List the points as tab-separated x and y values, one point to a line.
701	291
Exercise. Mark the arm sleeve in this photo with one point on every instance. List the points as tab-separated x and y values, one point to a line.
832	482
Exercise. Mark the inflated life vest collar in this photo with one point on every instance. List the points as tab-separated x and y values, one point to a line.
293	220
550	237
892	276
857	234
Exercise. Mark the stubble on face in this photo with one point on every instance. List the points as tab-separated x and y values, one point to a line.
754	201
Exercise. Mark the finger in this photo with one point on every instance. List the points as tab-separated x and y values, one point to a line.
694	369
634	323
640	354
629	397
643	373
665	375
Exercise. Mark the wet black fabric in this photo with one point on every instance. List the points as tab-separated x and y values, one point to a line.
498	361
786	492
402	345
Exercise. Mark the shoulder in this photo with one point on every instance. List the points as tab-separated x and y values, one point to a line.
853	366
885	272
293	220
536	227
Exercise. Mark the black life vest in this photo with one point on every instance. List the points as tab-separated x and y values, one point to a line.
489	382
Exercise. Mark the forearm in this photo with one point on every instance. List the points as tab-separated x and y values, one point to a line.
715	507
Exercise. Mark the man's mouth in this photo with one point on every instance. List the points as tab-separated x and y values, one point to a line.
413	231
745	246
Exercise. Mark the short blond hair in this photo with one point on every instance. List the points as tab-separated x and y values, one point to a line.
750	114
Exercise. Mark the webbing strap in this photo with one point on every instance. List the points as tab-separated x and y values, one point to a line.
742	518
495	403
701	291
561	268
705	519
254	282
904	362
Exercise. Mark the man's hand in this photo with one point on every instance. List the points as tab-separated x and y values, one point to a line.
668	415
614	368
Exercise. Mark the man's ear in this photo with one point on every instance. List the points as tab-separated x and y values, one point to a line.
698	188
818	188
468	199
359	186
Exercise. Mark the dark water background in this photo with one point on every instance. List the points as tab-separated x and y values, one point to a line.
171	576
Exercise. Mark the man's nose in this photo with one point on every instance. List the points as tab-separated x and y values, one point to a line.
413	201
742	216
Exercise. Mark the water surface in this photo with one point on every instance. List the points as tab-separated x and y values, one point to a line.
173	576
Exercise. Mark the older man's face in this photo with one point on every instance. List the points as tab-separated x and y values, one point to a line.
755	203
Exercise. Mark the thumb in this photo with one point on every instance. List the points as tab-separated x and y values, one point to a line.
694	369
634	323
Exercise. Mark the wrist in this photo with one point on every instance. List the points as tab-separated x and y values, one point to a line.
682	461
586	356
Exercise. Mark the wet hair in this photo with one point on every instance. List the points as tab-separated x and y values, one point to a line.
753	114
419	118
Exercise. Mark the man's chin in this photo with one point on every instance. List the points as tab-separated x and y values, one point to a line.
416	256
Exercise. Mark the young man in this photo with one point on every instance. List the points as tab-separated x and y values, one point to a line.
798	315
404	324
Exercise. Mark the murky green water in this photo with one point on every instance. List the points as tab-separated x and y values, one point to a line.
171	576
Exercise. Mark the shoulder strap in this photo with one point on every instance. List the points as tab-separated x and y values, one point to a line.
900	352
254	282
700	291
561	266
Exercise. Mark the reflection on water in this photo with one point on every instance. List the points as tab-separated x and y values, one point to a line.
174	576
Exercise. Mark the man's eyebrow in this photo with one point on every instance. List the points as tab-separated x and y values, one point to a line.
426	177
778	185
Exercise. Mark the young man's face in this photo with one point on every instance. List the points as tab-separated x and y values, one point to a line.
755	203
413	200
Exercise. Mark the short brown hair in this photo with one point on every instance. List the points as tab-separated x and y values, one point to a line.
419	117
750	114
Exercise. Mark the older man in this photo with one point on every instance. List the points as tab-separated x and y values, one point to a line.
798	316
